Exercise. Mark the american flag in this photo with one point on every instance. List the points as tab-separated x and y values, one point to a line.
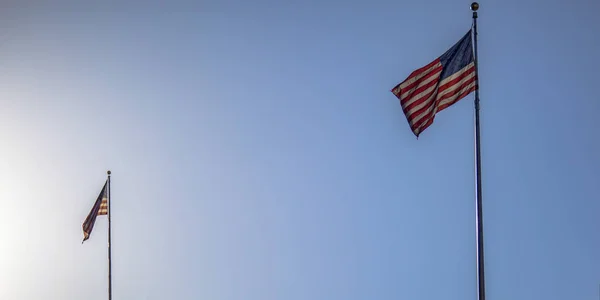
100	208
438	85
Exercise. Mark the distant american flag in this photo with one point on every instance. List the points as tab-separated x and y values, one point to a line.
100	208
439	84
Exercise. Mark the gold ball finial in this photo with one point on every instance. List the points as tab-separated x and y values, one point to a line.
108	172
474	6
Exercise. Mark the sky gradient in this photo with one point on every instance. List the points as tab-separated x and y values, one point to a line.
258	153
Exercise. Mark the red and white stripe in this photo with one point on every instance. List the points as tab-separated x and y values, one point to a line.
422	94
103	206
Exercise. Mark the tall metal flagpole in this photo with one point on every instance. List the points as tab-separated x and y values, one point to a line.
480	261
109	251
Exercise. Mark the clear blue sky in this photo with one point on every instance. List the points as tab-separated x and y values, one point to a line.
257	152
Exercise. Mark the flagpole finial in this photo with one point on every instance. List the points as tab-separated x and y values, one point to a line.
474	6
108	172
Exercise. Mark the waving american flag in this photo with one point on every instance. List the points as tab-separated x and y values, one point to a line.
438	85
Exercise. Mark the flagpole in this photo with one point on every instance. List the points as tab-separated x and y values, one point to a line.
109	251
480	260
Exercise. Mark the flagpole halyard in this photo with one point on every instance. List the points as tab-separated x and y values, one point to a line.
109	250
478	202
